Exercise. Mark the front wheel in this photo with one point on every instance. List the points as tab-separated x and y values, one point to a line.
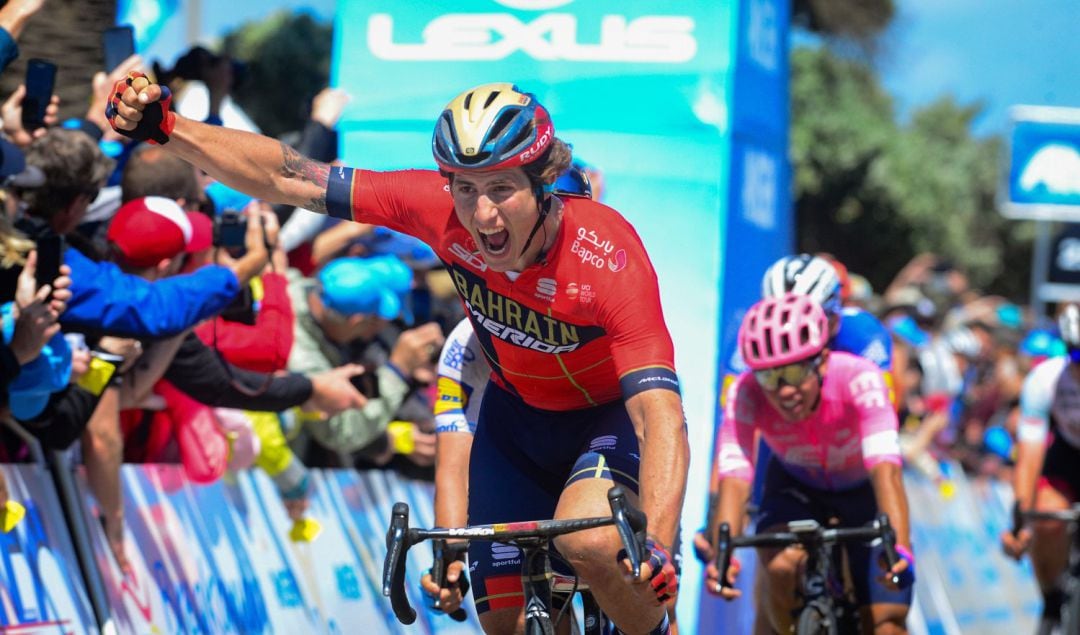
816	619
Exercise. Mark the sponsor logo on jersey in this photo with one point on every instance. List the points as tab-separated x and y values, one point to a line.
647	39
545	289
502	555
469	257
868	390
572	291
498	316
456	356
617	263
582	293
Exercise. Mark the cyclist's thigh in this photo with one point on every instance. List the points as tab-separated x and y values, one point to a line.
608	449
784	499
857	507
1060	475
503	487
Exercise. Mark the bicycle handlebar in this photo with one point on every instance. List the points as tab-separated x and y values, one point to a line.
444	555
397	546
805	535
629	522
1070	515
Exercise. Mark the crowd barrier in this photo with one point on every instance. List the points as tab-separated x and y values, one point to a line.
218	559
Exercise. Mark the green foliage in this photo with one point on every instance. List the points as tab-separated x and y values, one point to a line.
288	63
876	192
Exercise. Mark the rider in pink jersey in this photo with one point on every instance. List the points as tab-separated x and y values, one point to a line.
827	418
835	447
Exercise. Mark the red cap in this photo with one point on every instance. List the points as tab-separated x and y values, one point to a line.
147	230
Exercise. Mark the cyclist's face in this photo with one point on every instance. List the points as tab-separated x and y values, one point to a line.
499	210
796	401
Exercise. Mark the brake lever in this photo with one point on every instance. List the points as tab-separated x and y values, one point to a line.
888	541
631	524
723	554
444	556
397	546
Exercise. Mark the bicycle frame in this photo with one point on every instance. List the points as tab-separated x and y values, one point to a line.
532	537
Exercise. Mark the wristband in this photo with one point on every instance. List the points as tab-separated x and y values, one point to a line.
907	577
7	316
401	437
97	378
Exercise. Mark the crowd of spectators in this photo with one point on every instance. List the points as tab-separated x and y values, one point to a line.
959	360
185	322
188	323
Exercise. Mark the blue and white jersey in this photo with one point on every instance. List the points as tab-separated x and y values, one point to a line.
864	335
463	376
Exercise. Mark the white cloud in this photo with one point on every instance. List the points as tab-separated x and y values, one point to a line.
1056	167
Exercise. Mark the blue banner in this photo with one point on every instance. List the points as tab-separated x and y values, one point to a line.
654	95
41	588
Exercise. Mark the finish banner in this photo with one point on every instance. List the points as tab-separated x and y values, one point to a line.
647	93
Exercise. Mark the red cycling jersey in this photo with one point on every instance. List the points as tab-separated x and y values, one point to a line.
581	328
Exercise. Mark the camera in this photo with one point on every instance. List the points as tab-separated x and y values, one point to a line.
230	230
367	382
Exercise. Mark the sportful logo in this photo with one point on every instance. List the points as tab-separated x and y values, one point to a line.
606	442
504	554
545	288
648	39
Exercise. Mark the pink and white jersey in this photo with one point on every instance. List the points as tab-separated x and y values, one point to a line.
853	429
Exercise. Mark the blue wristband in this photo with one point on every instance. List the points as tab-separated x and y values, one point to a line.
7	314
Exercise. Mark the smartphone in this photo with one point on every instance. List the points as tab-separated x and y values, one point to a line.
230	229
118	43
367	382
40	81
50	255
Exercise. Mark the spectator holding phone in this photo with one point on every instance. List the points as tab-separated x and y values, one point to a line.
104	299
354	299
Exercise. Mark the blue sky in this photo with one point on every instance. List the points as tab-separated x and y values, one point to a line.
1002	52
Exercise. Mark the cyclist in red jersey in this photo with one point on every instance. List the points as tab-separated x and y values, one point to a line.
563	297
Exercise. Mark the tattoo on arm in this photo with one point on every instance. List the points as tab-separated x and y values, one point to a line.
296	166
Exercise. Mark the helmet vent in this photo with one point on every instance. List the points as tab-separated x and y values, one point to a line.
468	100
504	120
490	100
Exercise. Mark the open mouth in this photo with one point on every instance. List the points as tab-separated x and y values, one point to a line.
496	242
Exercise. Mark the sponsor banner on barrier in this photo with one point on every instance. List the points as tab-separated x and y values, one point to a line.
966	584
218	558
41	589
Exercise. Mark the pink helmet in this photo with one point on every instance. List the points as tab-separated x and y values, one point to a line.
782	330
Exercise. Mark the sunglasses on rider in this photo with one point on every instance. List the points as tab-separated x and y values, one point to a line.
791	374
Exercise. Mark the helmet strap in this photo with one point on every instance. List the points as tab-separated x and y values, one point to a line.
543	204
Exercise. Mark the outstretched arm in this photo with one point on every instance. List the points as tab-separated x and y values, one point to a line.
260	166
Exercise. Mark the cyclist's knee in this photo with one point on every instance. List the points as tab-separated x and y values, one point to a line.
503	622
782	571
889	619
891	627
591	553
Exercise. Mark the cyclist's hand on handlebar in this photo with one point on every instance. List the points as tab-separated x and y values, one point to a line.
1016	544
703	549
658	571
449	598
903	571
712	580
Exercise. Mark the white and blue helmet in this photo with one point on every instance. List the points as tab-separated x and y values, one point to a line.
807	275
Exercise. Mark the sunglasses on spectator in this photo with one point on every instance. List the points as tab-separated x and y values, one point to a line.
791	374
